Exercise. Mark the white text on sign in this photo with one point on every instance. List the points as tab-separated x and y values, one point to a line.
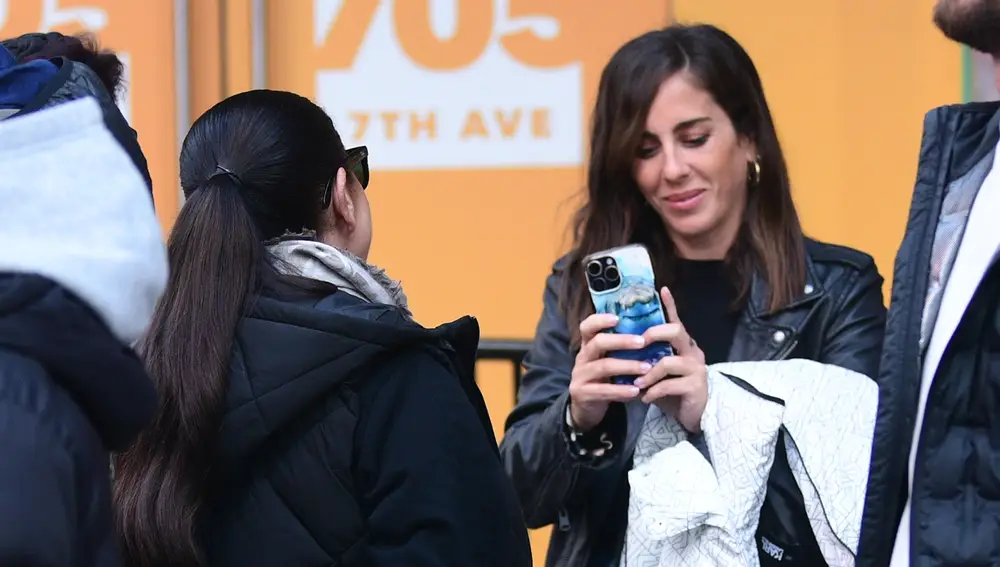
486	108
398	125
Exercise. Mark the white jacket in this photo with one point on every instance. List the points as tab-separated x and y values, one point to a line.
685	511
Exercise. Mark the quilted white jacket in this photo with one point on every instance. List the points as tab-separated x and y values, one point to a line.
687	512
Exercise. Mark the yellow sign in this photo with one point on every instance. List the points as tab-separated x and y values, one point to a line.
150	102
468	84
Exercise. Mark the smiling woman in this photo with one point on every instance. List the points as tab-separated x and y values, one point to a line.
683	140
693	172
685	161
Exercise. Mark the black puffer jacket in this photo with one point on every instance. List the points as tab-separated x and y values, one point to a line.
838	319
70	392
355	437
956	487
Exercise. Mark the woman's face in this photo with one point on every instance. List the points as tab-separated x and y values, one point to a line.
691	167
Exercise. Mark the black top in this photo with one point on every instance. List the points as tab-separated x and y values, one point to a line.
704	297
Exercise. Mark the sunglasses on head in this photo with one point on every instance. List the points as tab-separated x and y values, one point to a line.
357	165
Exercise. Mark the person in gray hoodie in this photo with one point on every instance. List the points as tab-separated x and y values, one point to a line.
82	266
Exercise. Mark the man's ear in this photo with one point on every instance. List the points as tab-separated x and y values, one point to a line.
343	203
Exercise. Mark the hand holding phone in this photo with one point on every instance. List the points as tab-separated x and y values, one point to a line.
630	343
678	384
590	387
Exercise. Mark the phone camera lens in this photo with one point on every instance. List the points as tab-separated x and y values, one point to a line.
611	273
594	268
599	284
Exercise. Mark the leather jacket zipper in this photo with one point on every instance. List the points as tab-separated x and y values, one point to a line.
563	520
787	350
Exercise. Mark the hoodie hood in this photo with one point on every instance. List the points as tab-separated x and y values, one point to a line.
76	211
290	356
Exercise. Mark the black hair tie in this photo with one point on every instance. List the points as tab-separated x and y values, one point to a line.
219	170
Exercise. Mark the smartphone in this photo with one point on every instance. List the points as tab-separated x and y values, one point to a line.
621	282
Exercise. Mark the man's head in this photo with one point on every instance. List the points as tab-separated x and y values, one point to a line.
84	71
975	23
80	48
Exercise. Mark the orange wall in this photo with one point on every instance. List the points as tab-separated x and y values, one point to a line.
451	124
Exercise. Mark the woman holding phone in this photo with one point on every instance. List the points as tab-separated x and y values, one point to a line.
685	160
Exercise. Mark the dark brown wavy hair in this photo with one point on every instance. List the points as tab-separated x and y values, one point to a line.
82	48
253	167
770	241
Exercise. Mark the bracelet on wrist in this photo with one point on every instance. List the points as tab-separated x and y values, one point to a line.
587	443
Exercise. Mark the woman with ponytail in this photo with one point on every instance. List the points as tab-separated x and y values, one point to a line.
304	418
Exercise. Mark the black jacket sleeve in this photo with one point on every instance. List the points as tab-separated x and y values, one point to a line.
853	338
36	492
535	446
430	476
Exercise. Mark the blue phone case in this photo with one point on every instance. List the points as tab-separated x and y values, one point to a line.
635	300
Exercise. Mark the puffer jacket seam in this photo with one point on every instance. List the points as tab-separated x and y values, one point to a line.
291	510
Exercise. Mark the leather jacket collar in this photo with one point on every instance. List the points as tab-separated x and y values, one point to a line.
764	335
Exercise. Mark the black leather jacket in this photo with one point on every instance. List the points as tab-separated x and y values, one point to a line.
838	319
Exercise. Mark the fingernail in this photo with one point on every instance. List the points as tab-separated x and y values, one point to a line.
645	367
634	391
640	341
640	383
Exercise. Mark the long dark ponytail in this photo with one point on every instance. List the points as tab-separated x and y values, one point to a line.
252	167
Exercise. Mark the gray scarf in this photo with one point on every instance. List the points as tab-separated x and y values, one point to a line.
319	261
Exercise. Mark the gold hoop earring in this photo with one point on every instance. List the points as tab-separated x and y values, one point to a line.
753	172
